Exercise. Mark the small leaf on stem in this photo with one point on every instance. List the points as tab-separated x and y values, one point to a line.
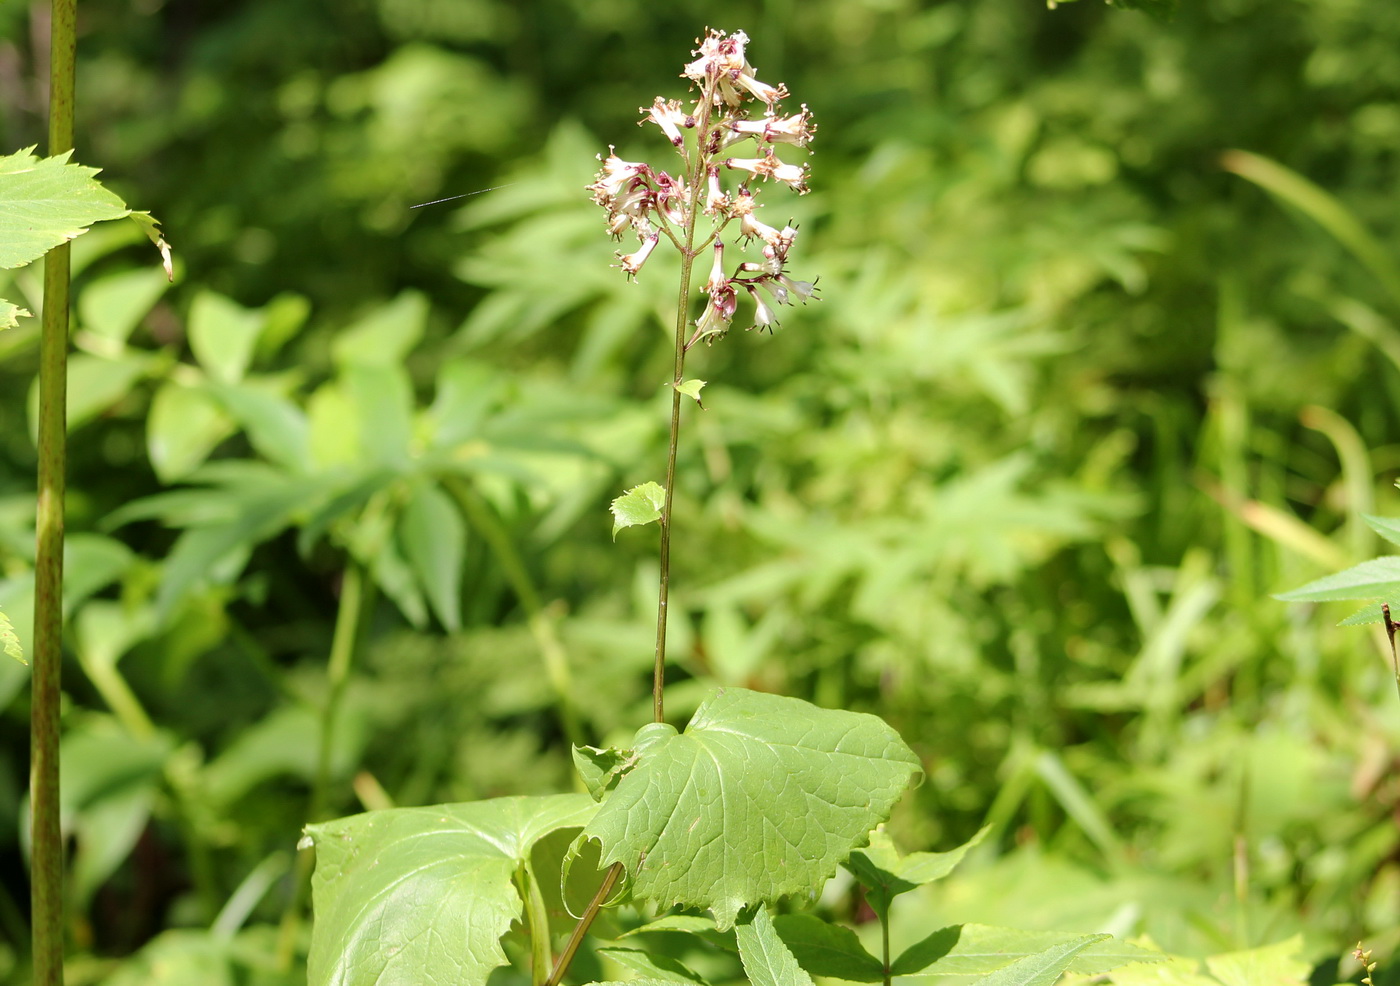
639	505
691	389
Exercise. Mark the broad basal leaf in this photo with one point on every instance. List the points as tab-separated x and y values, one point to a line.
760	797
422	896
767	961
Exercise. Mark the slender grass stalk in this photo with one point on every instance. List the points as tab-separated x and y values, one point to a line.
556	660
355	599
46	866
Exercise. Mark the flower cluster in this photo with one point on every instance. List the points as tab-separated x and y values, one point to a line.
654	203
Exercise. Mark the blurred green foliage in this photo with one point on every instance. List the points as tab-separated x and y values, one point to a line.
1075	402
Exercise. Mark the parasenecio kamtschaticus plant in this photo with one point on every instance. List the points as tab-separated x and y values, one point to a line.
695	835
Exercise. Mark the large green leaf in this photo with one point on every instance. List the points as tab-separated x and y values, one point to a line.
762	796
422	896
47	201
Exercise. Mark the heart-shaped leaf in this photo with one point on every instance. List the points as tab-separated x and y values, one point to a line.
760	797
414	896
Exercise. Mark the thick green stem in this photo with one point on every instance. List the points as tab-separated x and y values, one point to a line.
46	866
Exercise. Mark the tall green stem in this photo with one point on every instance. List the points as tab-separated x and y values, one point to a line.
46	866
697	195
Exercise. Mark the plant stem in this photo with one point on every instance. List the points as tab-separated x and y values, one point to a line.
46	867
536	924
580	929
885	945
348	619
697	195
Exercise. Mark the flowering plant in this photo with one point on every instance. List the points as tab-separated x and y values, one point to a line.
761	797
652	202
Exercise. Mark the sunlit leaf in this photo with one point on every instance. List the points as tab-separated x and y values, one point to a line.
47	201
639	505
9	640
979	950
760	797
1368	580
1279	964
691	389
766	959
887	874
423	895
183	426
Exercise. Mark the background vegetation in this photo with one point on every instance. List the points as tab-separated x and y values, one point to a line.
1075	402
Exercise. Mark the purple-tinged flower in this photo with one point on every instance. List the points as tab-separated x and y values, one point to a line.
763	315
715	198
616	174
631	263
669	116
719	312
672	198
796	129
768	166
717	276
722	58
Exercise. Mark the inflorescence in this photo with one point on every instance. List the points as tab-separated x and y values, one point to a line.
654	203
